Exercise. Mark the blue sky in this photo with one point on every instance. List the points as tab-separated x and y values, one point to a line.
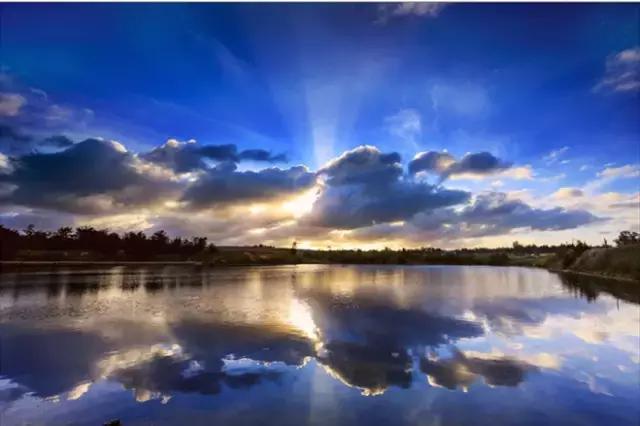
551	89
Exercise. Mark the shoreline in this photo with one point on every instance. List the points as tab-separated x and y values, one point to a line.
98	263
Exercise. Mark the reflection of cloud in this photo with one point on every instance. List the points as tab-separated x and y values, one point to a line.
367	347
384	327
49	362
366	368
462	370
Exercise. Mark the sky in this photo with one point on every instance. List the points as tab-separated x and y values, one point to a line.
333	125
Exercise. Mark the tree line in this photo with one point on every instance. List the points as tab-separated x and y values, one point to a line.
104	244
129	245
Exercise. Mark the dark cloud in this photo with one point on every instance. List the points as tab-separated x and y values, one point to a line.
493	213
189	156
444	165
89	177
262	155
57	141
15	142
383	326
363	165
432	162
481	163
365	186
224	184
496	210
12	140
41	219
367	367
354	206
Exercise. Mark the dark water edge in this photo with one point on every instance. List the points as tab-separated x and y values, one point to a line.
591	285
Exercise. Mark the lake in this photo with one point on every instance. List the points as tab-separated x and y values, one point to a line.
316	344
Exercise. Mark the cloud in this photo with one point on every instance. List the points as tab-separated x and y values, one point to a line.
363	165
405	125
13	141
568	193
189	156
494	213
610	174
628	171
31	110
554	156
93	176
224	184
362	195
10	104
462	370
622	72
365	186
56	141
431	162
262	155
387	12
354	206
444	165
488	214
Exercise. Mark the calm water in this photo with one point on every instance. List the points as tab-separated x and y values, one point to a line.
311	344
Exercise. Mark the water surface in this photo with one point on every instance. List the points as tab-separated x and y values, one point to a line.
307	344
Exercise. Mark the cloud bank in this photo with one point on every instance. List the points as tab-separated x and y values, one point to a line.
362	195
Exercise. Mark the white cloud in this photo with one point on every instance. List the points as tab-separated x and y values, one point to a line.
406	125
555	155
567	193
10	104
515	173
622	72
628	171
387	12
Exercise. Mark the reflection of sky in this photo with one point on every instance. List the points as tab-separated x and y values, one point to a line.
142	344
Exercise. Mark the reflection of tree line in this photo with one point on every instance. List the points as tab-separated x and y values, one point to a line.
78	283
156	280
590	287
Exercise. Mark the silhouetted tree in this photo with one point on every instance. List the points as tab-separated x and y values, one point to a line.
627	238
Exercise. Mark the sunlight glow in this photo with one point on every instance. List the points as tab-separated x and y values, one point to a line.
301	204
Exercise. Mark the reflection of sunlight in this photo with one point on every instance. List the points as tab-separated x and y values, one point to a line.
144	395
240	366
300	318
78	391
364	391
136	356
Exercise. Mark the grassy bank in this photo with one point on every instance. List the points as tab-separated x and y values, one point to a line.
615	262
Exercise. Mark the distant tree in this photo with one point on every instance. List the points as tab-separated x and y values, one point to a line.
9	243
627	238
